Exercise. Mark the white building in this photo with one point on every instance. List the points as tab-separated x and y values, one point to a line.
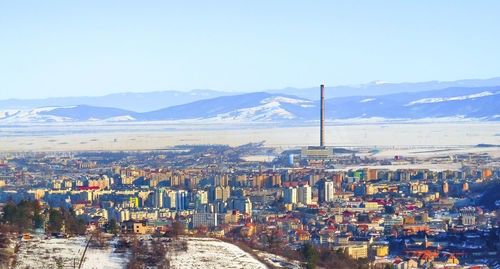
158	198
182	200
304	194
201	197
326	191
290	195
169	199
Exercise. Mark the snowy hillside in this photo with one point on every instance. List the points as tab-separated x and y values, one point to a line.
244	107
65	114
66	253
465	103
437	105
213	253
269	109
41	252
31	115
149	101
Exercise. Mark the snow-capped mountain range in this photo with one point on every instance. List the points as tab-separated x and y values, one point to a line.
463	103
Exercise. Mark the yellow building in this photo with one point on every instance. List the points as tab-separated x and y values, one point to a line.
357	251
137	227
381	250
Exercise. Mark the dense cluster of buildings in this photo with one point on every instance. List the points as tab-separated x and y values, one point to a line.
405	218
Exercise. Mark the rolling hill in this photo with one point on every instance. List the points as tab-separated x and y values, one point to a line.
477	103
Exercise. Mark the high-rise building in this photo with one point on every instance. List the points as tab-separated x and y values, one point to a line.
370	174
243	205
158	198
221	180
201	197
326	191
257	181
290	195
337	180
276	180
169	199
304	195
182	200
446	187
312	179
219	193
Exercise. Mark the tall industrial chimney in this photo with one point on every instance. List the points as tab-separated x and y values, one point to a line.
322	118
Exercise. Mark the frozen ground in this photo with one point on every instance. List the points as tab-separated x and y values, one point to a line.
212	253
279	261
65	253
433	167
41	252
389	137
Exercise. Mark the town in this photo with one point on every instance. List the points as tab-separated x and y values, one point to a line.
305	204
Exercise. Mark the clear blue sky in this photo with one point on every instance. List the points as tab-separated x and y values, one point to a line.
74	48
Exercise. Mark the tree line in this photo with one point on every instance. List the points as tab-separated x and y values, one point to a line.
28	215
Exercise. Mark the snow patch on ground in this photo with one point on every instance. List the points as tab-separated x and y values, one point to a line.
369	120
150	136
121	118
279	261
213	253
456	98
30	115
259	158
8	113
40	252
282	99
264	112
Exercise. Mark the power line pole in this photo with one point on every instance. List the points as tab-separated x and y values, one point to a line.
84	251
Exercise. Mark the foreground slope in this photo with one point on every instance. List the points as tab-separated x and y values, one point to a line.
213	253
66	253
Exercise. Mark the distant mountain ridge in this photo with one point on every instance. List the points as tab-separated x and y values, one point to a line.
139	102
150	101
478	103
259	105
384	88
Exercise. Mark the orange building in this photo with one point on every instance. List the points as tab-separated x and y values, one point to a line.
486	173
413	229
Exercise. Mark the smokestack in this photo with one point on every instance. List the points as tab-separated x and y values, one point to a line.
322	117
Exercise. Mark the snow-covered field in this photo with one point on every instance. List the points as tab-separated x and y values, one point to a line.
432	167
279	261
65	253
41	252
212	253
157	136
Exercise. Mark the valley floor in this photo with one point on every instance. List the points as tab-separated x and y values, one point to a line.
392	137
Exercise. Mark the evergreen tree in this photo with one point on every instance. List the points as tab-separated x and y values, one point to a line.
112	227
55	221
